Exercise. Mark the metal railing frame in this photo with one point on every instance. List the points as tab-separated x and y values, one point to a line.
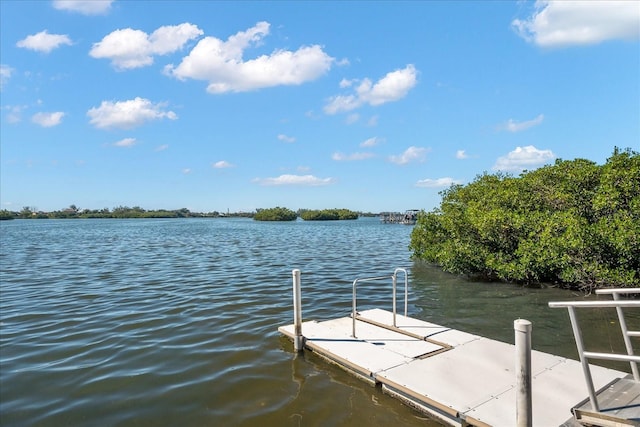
394	278
586	355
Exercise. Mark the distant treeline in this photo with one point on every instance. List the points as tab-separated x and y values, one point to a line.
574	223
118	212
272	214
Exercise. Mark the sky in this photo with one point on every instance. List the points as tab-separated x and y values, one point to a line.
368	106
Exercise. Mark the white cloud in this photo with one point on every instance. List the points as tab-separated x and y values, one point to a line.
221	63
342	103
392	87
410	154
513	126
352	118
186	171
523	158
461	154
436	183
162	147
15	113
222	164
285	138
305	180
349	157
44	42
47	120
568	23
127	114
128	48
5	75
126	142
344	83
85	7
372	142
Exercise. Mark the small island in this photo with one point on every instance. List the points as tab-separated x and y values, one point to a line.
328	215
284	214
275	214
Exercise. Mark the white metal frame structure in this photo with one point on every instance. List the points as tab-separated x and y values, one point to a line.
585	355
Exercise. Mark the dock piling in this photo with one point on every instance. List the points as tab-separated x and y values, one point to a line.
524	408
298	341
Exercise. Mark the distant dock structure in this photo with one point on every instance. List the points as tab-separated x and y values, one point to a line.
409	217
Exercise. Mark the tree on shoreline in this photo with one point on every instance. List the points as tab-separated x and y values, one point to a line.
573	223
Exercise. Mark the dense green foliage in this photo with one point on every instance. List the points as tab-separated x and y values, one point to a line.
574	223
5	214
275	214
327	214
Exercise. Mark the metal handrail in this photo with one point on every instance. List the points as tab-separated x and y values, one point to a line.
626	333
586	355
406	292
394	278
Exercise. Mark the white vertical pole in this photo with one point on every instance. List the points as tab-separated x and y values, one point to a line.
524	409
625	336
298	340
593	398
395	282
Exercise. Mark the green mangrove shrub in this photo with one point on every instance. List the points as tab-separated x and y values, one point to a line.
275	214
573	223
327	214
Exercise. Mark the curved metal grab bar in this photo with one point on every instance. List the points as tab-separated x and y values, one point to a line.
394	278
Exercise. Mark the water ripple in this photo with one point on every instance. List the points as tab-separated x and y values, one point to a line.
134	322
174	322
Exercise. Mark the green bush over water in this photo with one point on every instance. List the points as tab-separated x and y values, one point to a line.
275	214
574	223
327	214
5	214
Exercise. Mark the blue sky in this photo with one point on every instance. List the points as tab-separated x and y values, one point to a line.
369	106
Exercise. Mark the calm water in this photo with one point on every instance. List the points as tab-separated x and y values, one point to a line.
174	322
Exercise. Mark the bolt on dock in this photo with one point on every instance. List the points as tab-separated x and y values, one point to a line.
463	379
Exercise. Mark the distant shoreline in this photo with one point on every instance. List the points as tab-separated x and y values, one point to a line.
133	213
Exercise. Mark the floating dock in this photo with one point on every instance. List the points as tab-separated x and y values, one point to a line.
408	218
463	379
